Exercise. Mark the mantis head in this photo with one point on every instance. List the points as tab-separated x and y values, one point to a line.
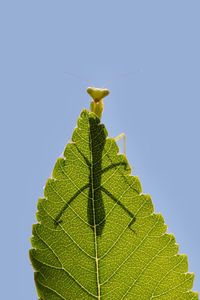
97	95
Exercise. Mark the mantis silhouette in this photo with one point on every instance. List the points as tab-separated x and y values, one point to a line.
97	138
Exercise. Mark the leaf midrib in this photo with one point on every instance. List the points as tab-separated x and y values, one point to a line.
94	221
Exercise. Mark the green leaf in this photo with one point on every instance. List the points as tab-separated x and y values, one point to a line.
97	235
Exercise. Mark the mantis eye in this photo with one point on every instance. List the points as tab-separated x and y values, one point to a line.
97	94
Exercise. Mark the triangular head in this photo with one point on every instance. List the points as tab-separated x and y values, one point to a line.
97	95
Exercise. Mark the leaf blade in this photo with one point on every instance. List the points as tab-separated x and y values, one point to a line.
97	236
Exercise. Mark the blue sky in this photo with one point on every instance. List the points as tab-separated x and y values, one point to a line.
147	54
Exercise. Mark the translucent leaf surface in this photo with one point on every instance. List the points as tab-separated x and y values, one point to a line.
97	235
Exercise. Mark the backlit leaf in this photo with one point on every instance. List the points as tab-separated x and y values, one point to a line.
97	235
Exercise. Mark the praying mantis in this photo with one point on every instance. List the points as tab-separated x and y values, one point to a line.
95	210
97	106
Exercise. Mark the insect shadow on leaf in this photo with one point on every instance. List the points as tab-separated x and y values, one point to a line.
96	214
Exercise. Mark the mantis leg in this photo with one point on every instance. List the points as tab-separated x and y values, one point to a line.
119	137
122	206
58	217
